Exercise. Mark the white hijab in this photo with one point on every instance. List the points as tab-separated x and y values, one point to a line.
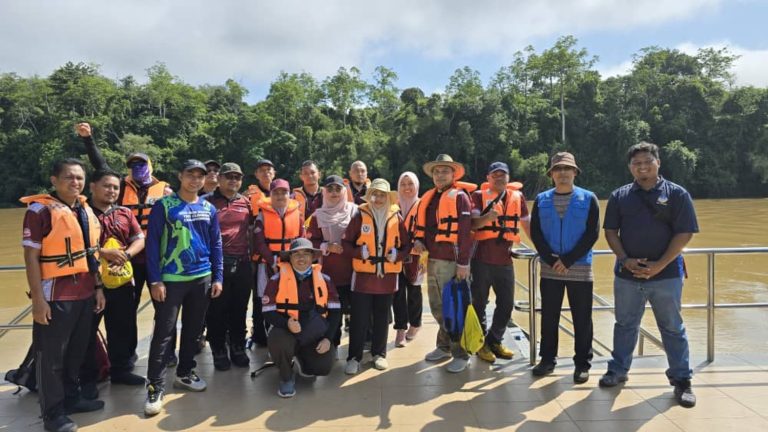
407	203
333	220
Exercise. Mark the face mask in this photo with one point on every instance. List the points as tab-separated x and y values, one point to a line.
140	173
305	274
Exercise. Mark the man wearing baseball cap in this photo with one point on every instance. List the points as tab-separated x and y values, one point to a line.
184	267
225	319
498	215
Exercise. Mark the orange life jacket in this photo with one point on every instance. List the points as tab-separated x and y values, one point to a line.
511	185
287	297
410	221
466	186
63	251
301	197
280	231
507	225
447	216
257	198
348	184
369	235
130	199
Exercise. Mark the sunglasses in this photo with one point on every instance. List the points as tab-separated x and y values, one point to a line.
333	188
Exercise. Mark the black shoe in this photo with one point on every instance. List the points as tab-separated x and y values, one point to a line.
239	357
580	376
83	406
543	368
128	378
61	423
611	379
683	393
89	391
221	359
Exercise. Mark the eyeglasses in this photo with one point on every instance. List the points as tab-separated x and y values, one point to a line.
233	176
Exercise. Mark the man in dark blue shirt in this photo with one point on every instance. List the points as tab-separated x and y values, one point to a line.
647	224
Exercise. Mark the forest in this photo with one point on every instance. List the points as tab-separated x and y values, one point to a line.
713	135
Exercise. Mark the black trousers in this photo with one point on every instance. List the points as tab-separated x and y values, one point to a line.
60	349
365	306
226	313
120	322
139	279
193	296
580	300
283	348
502	278
407	304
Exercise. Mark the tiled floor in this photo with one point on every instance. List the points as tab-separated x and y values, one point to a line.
414	395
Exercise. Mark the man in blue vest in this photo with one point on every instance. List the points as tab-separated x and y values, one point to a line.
647	224
564	227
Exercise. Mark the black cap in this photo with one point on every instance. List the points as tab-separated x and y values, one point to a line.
136	156
498	166
333	179
212	162
193	164
261	162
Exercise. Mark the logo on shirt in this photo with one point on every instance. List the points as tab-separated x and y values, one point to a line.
365	229
264	300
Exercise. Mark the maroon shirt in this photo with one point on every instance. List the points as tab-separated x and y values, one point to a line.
460	253
37	225
337	266
234	220
260	241
369	283
119	222
491	251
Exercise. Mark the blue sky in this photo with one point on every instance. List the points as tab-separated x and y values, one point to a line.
423	41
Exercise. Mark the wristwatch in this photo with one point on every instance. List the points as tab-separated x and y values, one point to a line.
128	254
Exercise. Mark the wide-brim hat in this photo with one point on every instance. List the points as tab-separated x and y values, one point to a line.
381	185
563	159
299	244
445	160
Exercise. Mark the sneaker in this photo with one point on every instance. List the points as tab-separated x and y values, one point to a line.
172	361
380	362
300	369
457	365
83	406
154	402
486	354
411	333
580	376
400	339
683	393
239	357
61	423
611	379
128	378
501	351
221	359
544	368
352	367
286	389
89	391
190	382
437	354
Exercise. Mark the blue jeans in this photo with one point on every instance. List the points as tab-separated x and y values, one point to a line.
665	298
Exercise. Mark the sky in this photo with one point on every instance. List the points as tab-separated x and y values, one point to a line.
423	41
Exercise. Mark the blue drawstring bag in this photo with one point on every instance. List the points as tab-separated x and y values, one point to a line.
456	300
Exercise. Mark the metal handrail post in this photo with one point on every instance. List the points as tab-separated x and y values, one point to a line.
532	336
710	307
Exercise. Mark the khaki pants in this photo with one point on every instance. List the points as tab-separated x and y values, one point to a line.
439	272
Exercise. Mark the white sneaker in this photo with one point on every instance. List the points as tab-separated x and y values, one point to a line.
457	365
436	355
154	403
190	382
352	367
380	362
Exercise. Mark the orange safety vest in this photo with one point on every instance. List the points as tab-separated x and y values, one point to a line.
447	216
63	251
466	187
130	199
257	198
287	297
280	231
410	221
348	184
369	235
507	225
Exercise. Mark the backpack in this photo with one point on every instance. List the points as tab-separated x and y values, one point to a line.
456	299
25	376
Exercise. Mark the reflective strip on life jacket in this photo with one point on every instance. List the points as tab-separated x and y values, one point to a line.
369	235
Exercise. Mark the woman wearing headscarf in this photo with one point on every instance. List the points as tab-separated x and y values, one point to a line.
407	302
326	228
378	242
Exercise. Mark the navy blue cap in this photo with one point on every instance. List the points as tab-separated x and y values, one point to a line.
333	180
193	164
498	166
261	162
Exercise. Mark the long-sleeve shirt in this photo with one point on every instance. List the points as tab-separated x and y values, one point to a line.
234	222
260	241
183	241
461	252
492	251
337	266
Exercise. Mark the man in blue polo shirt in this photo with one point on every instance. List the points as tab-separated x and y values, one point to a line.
647	224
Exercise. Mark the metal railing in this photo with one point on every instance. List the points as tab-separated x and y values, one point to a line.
604	305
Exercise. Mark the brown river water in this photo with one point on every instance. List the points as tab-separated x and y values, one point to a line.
723	223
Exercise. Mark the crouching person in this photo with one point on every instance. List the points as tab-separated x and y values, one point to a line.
303	307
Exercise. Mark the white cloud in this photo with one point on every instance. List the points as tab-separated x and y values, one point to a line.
622	68
204	41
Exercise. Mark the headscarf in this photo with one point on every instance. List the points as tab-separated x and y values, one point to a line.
333	220
141	173
407	203
380	219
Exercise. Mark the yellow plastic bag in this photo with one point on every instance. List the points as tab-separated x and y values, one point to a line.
472	338
115	279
